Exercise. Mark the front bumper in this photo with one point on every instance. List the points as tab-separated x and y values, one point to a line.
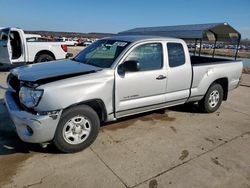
43	126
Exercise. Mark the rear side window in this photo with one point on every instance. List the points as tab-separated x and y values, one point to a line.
176	55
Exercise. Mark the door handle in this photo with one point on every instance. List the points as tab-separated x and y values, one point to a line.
161	77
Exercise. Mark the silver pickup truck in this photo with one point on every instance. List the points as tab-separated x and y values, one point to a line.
64	102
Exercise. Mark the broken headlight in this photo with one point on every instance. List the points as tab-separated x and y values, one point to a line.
30	97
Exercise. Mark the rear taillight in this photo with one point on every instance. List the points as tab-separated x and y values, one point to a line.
64	47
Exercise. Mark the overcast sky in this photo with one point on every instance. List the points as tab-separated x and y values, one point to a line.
114	15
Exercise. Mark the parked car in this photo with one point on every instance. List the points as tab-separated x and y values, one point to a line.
15	49
68	42
84	43
65	101
87	43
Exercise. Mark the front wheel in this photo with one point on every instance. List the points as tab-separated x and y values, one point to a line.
77	129
213	99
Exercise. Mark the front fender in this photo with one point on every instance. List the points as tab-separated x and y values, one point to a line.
64	93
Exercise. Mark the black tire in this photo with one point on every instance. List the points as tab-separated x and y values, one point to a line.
83	110
44	58
205	103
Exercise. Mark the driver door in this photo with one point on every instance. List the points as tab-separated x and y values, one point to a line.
144	89
5	48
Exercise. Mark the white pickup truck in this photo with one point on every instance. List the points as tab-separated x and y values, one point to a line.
65	101
15	49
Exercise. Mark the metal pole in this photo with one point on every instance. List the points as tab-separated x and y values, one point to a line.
195	46
236	53
200	47
214	42
214	47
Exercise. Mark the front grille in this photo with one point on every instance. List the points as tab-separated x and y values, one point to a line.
16	99
13	82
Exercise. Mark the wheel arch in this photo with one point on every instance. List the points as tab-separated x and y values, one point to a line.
44	52
224	83
96	104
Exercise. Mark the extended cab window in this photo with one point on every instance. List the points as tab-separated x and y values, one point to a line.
176	55
148	55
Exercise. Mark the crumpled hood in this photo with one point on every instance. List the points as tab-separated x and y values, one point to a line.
52	70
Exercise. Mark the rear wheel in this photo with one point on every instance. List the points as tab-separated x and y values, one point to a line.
213	99
77	129
44	58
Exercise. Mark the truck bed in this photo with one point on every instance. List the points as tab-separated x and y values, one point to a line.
206	70
202	60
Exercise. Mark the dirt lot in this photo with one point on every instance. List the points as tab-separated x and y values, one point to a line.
75	50
178	147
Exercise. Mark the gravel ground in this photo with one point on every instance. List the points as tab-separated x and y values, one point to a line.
75	50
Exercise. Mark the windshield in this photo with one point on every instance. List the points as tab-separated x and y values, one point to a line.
102	53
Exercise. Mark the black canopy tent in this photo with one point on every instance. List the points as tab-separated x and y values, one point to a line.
211	32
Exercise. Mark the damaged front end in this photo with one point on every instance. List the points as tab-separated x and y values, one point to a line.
36	97
30	126
24	81
25	93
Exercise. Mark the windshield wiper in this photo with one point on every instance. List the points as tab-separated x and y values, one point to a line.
89	63
73	59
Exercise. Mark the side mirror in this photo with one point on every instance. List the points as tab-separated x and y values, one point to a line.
128	66
131	66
